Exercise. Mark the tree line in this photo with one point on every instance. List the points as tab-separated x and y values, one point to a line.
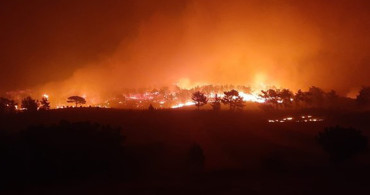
282	98
273	99
29	104
230	98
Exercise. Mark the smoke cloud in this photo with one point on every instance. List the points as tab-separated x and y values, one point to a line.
159	43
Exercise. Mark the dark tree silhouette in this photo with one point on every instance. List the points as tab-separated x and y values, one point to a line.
199	98
29	104
286	97
299	97
316	96
216	104
332	98
78	100
239	103
7	105
303	98
331	95
151	108
232	98
271	96
363	98
342	143
45	104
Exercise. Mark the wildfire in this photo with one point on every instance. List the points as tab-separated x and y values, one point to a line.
304	118
182	105
247	97
251	97
176	96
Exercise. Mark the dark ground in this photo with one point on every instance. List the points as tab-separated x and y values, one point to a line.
240	153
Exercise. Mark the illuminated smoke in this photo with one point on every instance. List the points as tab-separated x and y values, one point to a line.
289	44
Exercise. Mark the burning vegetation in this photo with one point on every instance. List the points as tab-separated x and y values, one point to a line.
298	119
212	97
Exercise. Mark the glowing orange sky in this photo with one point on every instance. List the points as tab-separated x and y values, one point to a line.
98	47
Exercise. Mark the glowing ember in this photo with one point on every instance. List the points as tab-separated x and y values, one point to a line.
247	97
182	105
251	97
303	118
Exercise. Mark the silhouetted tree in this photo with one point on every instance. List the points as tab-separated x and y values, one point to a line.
231	98
7	105
271	96
332	94
45	104
151	108
332	98
239	103
78	100
216	104
199	98
316	96
363	98
342	143
30	104
299	96
286	96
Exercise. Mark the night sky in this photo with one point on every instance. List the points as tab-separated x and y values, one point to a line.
99	46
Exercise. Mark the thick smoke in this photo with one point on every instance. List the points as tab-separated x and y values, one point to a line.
276	43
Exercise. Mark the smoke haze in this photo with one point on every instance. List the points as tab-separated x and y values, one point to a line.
98	47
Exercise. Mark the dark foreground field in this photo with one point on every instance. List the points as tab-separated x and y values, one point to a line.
176	152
